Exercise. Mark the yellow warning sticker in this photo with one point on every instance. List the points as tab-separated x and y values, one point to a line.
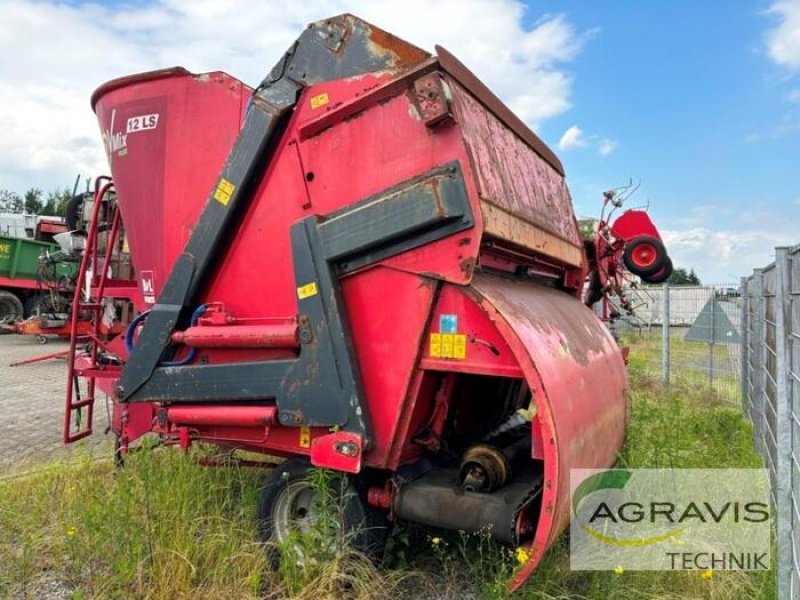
319	100
307	290
223	192
459	346
305	436
435	350
448	345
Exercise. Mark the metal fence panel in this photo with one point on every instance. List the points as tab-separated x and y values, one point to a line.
743	342
689	334
770	389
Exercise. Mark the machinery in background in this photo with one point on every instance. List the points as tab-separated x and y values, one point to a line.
86	288
629	244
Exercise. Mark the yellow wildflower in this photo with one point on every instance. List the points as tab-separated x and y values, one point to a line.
707	574
522	556
72	531
619	570
436	541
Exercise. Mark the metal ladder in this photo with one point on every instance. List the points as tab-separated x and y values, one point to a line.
89	298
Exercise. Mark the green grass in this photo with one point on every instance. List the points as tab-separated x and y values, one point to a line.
165	527
677	428
689	363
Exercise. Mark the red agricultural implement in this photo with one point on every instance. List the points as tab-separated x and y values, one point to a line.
367	264
632	242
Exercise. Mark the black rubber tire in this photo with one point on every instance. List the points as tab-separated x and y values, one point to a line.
662	275
366	526
72	214
652	268
40	303
11	308
593	292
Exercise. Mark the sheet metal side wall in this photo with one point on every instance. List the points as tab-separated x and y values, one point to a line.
510	174
579	380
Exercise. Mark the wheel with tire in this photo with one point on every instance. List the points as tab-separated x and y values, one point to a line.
289	504
594	292
10	307
662	275
644	256
38	304
72	214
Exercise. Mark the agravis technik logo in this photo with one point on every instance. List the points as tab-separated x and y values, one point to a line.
654	519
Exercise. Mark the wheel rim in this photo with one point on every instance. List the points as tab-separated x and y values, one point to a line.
644	255
295	510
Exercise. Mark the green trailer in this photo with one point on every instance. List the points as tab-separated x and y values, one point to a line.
25	280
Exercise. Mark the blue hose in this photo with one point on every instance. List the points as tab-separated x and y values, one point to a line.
131	330
198	312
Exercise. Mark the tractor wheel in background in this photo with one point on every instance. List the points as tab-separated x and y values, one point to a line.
72	214
10	307
289	503
40	304
645	256
594	292
662	275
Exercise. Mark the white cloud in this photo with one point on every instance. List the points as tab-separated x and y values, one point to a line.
783	41
606	146
793	95
717	255
573	138
58	53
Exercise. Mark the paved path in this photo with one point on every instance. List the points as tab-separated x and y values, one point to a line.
32	406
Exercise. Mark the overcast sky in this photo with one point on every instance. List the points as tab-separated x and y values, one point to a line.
699	101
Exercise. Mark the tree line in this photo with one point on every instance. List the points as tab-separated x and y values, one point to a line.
34	202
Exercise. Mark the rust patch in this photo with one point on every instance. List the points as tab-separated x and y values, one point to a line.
405	55
431	99
467	266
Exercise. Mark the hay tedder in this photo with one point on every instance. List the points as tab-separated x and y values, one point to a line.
366	264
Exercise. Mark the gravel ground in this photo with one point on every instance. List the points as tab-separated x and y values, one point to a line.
32	406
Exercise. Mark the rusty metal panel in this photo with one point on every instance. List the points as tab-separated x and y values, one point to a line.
493	104
511	175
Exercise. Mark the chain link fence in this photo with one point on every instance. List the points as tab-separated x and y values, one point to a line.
687	334
771	396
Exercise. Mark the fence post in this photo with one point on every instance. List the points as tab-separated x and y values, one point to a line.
783	499
792	373
665	317
711	344
759	364
744	347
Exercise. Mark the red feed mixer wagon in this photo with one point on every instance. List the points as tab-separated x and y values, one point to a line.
367	264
